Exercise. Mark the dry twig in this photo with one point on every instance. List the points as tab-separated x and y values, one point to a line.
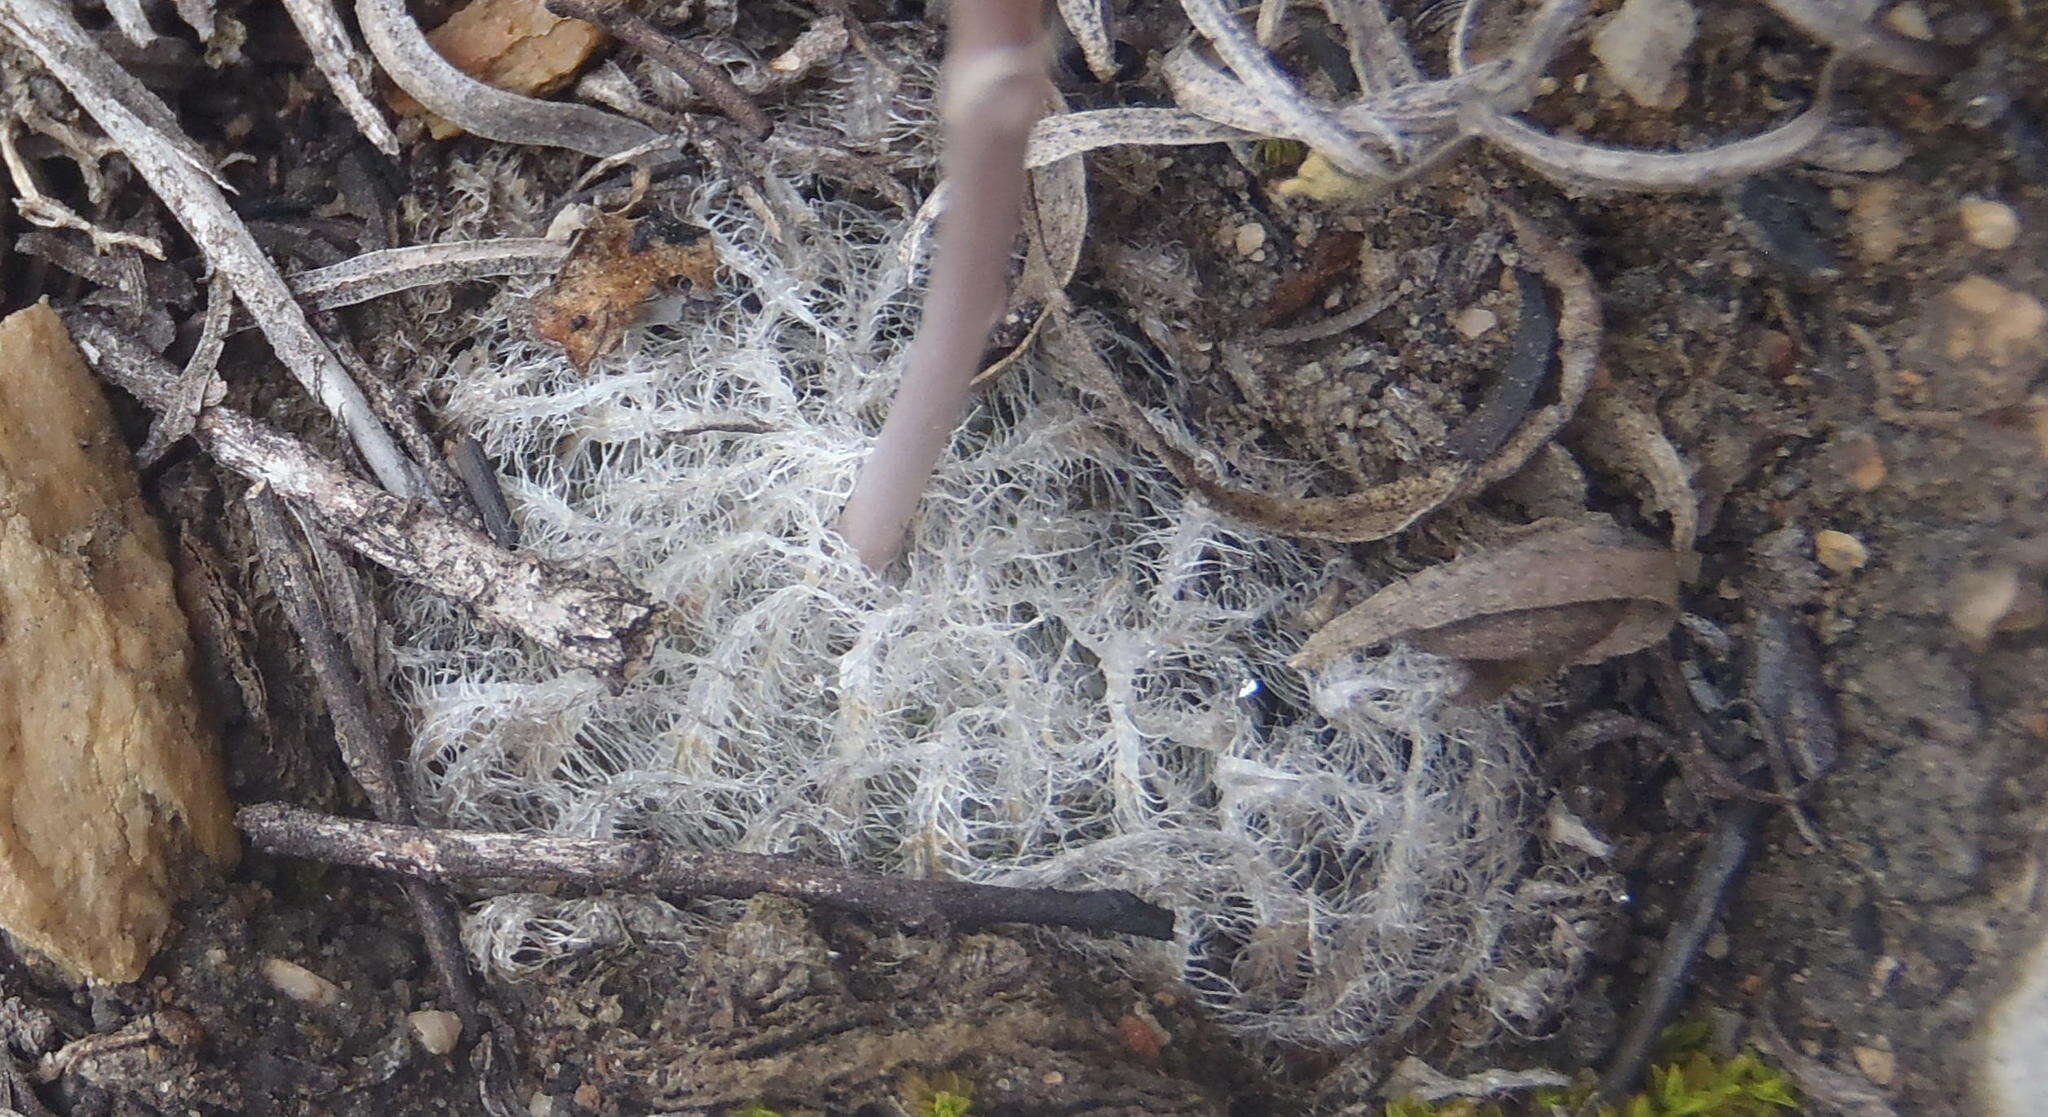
178	172
344	67
709	81
364	739
391	270
640	865
592	620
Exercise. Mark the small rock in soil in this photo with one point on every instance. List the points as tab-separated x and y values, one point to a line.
300	984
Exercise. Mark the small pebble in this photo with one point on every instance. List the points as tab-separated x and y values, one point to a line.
1251	236
2008	322
1910	19
1856	149
437	1031
1839	551
1985	599
1474	321
1875	226
1862	462
1052	1078
1642	47
1989	224
1716	946
1878	1064
588	1098
299	983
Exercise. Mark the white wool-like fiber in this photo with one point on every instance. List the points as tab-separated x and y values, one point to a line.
1077	678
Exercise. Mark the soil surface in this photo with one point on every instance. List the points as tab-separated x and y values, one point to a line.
1847	354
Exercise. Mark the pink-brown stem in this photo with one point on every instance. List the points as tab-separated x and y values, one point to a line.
994	91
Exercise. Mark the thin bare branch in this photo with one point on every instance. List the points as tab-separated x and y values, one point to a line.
365	740
485	110
391	270
640	865
1057	137
592	620
1297	116
344	67
199	386
133	117
709	81
996	88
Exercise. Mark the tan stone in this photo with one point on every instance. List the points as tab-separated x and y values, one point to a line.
1839	551
110	781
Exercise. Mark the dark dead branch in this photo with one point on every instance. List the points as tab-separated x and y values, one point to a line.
366	740
638	865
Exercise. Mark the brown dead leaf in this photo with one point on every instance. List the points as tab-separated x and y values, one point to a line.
516	45
1562	592
616	263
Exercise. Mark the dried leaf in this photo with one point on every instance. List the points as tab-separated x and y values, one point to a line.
616	264
1565	591
515	45
1621	434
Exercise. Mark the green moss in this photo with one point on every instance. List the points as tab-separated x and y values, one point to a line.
1687	1080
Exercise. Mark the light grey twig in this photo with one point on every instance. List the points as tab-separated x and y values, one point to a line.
485	110
1854	35
391	270
133	117
199	385
344	67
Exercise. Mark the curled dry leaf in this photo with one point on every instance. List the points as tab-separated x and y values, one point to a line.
1379	510
1562	592
617	262
515	45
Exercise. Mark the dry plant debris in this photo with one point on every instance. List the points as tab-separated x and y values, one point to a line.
110	784
616	263
590	619
515	45
1558	593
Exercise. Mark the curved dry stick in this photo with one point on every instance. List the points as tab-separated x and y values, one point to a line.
142	125
1383	509
705	79
1090	26
1057	137
1592	165
1277	95
335	56
994	94
391	270
1857	37
485	110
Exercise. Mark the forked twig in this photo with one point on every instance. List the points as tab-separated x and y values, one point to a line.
640	865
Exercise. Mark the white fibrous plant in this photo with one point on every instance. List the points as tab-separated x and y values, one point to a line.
1077	677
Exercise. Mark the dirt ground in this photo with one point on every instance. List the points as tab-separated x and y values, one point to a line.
1852	372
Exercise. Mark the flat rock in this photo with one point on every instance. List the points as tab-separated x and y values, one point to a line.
112	802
